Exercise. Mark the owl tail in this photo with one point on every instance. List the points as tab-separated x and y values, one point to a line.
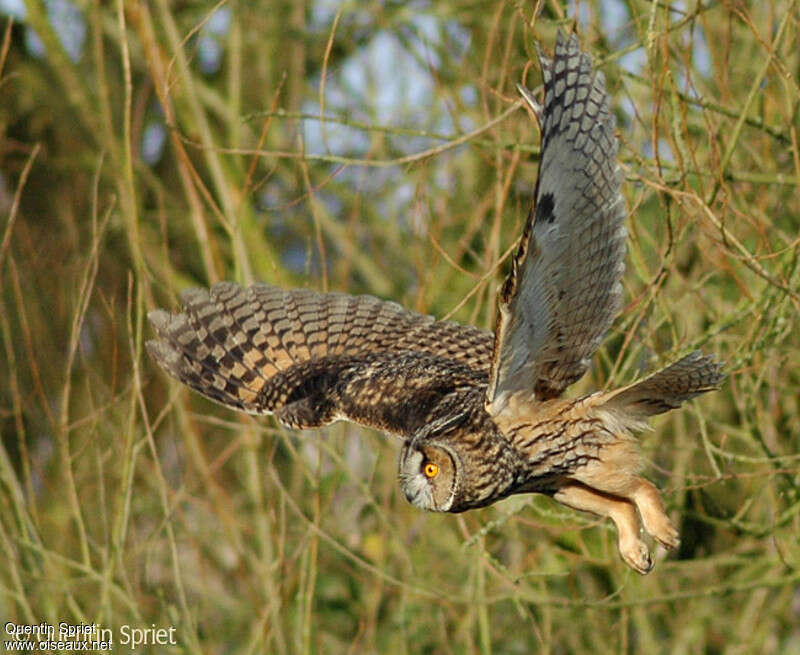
668	388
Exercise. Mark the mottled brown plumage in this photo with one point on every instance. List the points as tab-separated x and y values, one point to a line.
481	415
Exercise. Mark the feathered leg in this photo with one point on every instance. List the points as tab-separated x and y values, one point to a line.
613	475
622	512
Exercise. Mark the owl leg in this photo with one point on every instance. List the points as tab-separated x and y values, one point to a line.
644	496
622	512
651	508
616	473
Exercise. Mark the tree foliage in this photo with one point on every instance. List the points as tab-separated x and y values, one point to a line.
380	148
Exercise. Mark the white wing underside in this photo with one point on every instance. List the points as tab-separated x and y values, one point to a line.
564	288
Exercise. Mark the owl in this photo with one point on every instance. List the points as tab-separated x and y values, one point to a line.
481	415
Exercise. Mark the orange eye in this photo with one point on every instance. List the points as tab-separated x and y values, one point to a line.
431	470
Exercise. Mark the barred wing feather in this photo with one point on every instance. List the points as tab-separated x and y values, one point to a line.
564	288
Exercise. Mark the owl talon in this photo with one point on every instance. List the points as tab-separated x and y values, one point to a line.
668	536
637	556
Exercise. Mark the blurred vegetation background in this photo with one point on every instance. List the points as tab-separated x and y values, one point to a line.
378	147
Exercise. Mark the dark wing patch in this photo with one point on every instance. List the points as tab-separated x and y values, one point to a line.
545	209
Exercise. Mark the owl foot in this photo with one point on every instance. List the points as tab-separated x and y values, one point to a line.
665	534
654	517
632	549
635	554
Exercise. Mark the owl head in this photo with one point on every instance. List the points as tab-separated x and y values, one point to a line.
429	469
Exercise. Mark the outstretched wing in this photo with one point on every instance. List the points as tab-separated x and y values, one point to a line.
564	287
312	358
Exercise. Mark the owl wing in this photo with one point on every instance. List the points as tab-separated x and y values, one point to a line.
312	358
564	288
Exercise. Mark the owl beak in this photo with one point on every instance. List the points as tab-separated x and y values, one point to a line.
411	492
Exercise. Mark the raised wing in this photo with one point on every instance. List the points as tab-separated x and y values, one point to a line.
312	358
564	287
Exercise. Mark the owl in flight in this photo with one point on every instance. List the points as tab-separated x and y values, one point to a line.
481	415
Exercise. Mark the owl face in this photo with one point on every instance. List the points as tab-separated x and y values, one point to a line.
428	476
